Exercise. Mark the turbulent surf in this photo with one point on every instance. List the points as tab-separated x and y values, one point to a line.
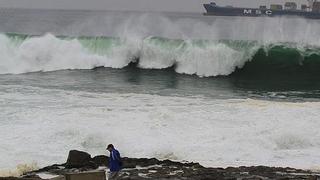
204	58
241	91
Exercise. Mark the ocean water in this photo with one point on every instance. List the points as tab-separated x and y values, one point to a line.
222	91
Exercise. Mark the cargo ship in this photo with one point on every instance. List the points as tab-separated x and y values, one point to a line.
310	10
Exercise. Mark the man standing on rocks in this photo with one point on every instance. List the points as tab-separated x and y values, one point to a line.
115	163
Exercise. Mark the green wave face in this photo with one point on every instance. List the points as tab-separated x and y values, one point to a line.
282	60
287	69
274	60
224	57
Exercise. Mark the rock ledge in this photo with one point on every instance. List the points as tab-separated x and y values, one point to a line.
144	168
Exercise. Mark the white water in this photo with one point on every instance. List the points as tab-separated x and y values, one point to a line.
42	125
48	53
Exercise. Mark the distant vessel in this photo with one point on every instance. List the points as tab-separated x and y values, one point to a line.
312	10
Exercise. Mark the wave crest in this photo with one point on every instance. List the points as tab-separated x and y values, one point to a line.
22	54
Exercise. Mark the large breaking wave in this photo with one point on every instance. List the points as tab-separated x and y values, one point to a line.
190	43
86	112
22	54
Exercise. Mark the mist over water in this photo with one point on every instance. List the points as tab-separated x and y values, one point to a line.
53	112
251	65
233	87
166	25
193	43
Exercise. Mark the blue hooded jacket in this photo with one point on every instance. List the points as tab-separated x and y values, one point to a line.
114	161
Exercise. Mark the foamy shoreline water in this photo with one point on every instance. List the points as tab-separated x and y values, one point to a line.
224	132
145	168
217	122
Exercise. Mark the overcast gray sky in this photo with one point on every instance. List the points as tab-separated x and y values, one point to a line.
134	5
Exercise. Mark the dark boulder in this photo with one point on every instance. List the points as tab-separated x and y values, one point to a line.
142	162
79	159
144	168
101	160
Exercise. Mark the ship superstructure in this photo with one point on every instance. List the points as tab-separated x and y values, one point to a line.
309	10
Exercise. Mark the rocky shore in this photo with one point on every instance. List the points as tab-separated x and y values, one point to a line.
143	168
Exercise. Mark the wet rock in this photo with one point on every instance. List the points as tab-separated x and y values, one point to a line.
20	178
142	162
81	160
144	168
51	168
78	159
101	160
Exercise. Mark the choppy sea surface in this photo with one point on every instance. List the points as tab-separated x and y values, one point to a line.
222	91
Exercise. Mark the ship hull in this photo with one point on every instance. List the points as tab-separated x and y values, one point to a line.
213	10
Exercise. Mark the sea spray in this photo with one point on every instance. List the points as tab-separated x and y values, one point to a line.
215	121
224	131
20	170
48	53
23	54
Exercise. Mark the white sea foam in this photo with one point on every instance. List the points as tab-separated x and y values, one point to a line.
214	60
19	170
44	54
212	132
42	125
48	53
